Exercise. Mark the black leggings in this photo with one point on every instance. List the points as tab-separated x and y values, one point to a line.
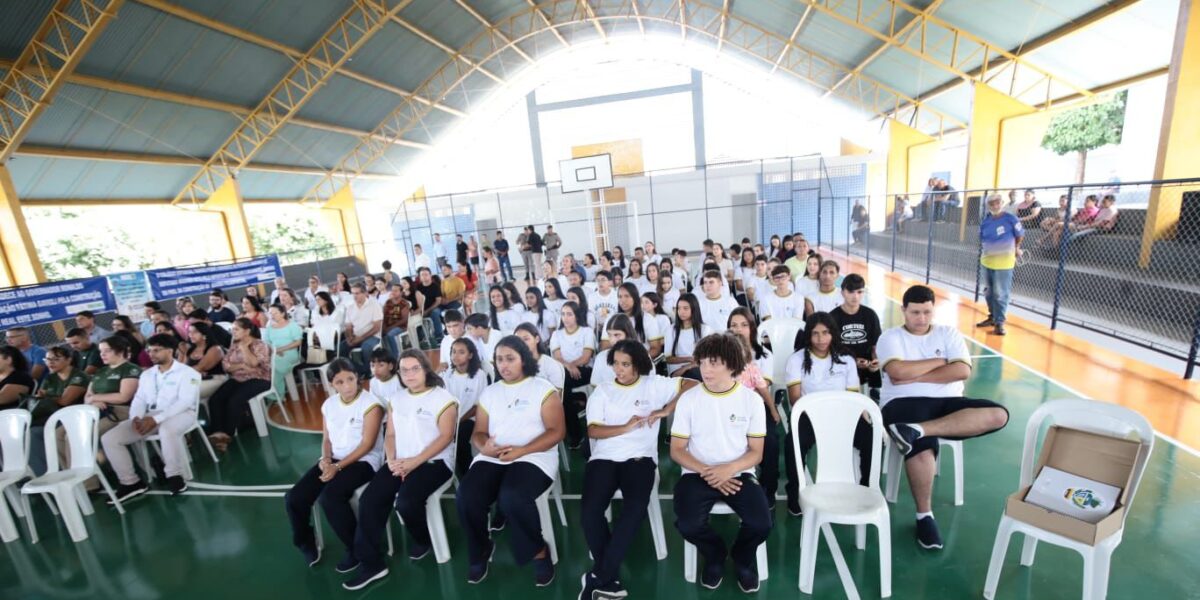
227	405
573	402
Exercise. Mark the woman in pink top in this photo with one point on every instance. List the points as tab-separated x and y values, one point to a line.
248	365
1082	218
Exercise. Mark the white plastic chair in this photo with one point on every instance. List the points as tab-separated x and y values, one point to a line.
655	516
433	519
14	450
66	485
689	550
543	506
1086	415
836	497
258	404
144	454
895	469
782	333
321	370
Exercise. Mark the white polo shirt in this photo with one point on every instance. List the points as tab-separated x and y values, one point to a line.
553	371
465	388
344	424
614	404
415	417
386	390
444	351
942	341
825	375
163	395
514	413
670	300
508	321
601	372
825	302
686	345
546	327
717	426
360	318
487	349
790	306
603	306
715	313
572	345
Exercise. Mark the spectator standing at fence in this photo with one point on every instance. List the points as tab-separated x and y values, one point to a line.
35	356
491	266
501	247
1000	234
531	252
551	242
86	320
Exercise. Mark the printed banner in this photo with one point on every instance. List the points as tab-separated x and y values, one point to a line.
49	302
175	282
131	291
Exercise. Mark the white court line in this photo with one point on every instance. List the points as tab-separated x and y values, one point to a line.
979	356
1060	384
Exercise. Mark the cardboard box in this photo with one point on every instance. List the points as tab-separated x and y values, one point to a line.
1095	456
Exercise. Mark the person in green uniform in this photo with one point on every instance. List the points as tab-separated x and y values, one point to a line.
283	336
65	385
110	391
87	354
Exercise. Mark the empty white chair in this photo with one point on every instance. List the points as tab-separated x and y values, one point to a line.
543	506
258	405
689	550
14	451
1086	415
66	485
782	333
895	468
146	442
835	496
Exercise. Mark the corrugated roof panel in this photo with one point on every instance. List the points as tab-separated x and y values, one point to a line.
80	179
1009	23
835	41
906	72
498	10
146	47
776	16
398	56
395	159
84	117
445	20
21	20
295	23
956	102
305	147
344	101
431	126
261	184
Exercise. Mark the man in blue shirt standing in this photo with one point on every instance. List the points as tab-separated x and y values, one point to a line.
1001	234
501	246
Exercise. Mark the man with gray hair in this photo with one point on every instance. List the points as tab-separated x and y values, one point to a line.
1000	235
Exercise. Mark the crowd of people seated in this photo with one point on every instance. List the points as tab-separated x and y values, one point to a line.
594	352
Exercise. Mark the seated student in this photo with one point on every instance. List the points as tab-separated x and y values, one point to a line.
351	451
15	382
285	339
620	327
757	376
809	281
669	296
484	337
168	329
549	369
418	445
603	301
781	301
204	355
821	364
501	315
35	356
455	327
465	380
653	306
717	439
218	312
86	356
715	307
146	328
555	298
396	320
757	282
924	366
64	385
165	404
623	419
577	295
858	330
573	345
828	296
248	365
629	303
1104	222
903	212
637	276
517	429
384	382
538	314
685	333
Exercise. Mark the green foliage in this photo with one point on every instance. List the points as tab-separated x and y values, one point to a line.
71	247
1087	128
296	238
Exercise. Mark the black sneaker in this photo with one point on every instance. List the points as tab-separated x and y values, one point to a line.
478	572
747	580
417	551
988	322
498	521
905	434
610	591
347	564
999	330
712	575
312	555
176	485
127	492
588	586
927	534
794	508
363	579
543	570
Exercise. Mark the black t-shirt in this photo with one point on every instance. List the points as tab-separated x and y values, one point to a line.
222	337
858	332
221	315
18	378
535	243
432	292
460	250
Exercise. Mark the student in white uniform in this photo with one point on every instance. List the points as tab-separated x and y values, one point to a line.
465	380
538	314
820	364
517	429
619	328
455	327
573	346
501	315
717	440
418	447
687	331
652	306
603	302
715	307
580	297
484	337
810	280
351	451
652	277
554	297
924	366
828	296
759	375
743	271
623	418
669	294
515	300
781	301
548	274
758	283
637	275
549	369
385	383
629	303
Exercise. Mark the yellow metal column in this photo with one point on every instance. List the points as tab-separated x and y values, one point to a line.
342	218
1179	142
906	172
19	264
988	111
227	201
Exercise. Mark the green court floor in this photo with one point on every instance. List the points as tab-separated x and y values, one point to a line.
220	545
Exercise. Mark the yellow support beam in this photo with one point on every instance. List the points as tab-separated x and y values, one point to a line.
341	219
227	201
1179	141
988	111
19	263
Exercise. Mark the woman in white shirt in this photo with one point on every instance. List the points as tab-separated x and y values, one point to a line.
514	297
629	303
502	317
517	429
327	320
668	293
351	450
828	296
554	297
808	282
623	419
573	345
822	364
385	384
743	273
652	276
636	276
587	316
297	313
422	417
538	314
465	380
652	306
687	331
549	369
619	328
590	267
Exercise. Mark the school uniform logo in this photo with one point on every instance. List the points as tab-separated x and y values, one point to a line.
518	404
735	418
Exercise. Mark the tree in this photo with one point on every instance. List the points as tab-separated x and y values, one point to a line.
1086	128
295	238
71	247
